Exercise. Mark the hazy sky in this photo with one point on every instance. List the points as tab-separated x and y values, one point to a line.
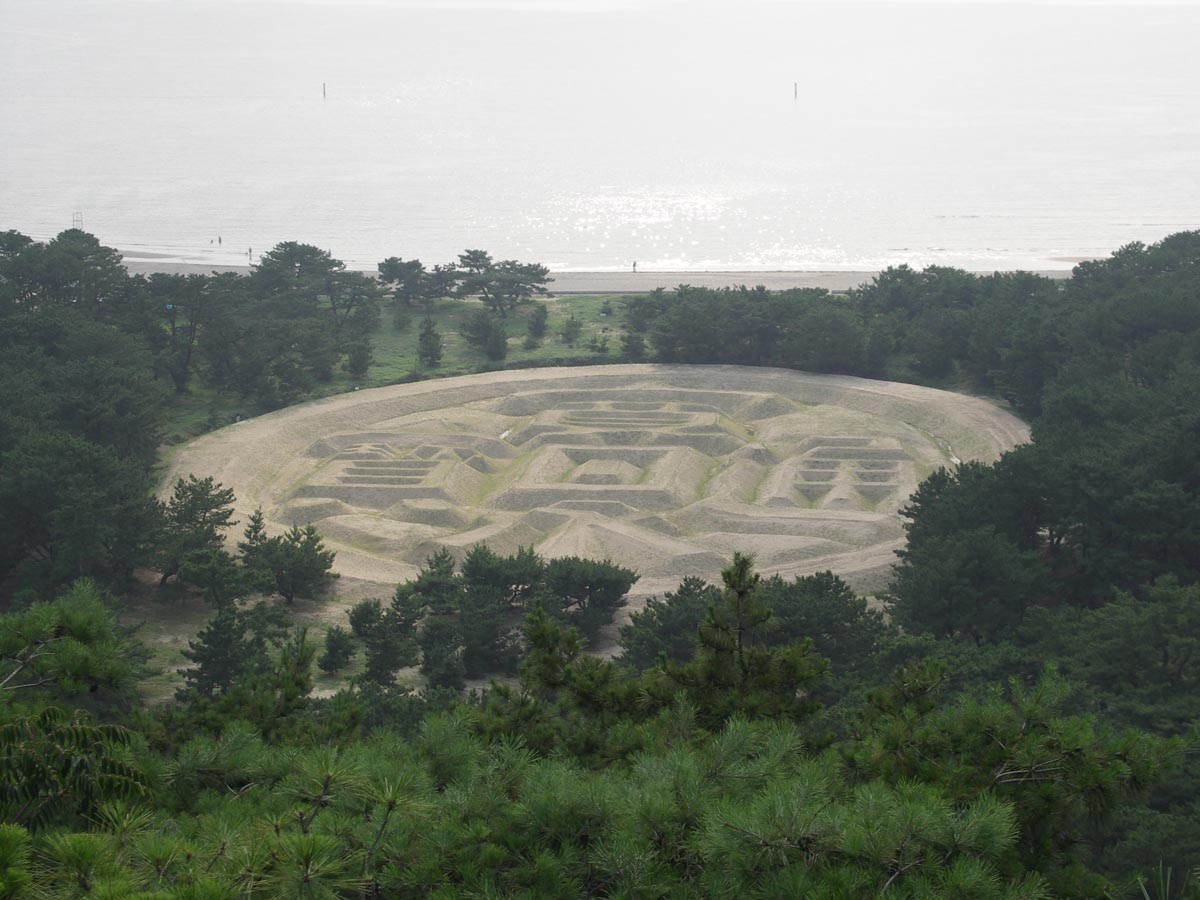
568	5
589	5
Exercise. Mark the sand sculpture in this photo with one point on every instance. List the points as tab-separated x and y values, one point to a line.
665	469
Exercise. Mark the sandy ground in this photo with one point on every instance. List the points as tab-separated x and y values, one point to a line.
609	282
665	469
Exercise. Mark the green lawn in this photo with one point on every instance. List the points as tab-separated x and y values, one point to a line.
395	355
396	348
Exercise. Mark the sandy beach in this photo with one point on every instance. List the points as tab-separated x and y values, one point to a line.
607	282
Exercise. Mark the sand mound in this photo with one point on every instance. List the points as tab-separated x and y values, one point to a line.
605	471
430	512
307	511
772	551
738	479
665	469
651	555
371	534
503	537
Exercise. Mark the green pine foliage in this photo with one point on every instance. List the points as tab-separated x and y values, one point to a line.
745	810
69	646
429	344
235	642
586	593
466	623
339	650
293	564
819	607
194	520
633	346
14	861
537	321
571	329
732	672
697	779
1018	721
667	625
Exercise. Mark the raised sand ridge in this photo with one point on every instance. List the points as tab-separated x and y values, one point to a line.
665	469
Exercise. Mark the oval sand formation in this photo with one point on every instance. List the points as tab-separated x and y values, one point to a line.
665	469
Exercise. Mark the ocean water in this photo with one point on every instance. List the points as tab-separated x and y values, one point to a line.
590	133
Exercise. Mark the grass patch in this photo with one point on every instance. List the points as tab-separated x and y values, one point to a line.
396	350
203	409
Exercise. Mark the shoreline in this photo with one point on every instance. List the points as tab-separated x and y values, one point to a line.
616	282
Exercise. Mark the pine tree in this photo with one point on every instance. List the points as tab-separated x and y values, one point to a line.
490	644
485	332
570	331
359	358
219	654
68	646
234	643
194	519
14	861
429	344
537	321
294	564
388	636
553	650
365	617
389	645
633	346
436	589
221	578
668	625
585	592
339	650
733	673
254	538
495	347
300	563
442	653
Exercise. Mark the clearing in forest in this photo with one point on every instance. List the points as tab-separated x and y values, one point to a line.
665	469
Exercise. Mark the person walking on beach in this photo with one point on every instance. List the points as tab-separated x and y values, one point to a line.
635	267
218	240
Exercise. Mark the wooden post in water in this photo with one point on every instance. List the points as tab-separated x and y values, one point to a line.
795	90
323	95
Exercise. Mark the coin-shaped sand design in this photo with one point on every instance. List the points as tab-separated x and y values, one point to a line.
665	469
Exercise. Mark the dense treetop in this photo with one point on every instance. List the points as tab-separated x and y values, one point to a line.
1015	717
